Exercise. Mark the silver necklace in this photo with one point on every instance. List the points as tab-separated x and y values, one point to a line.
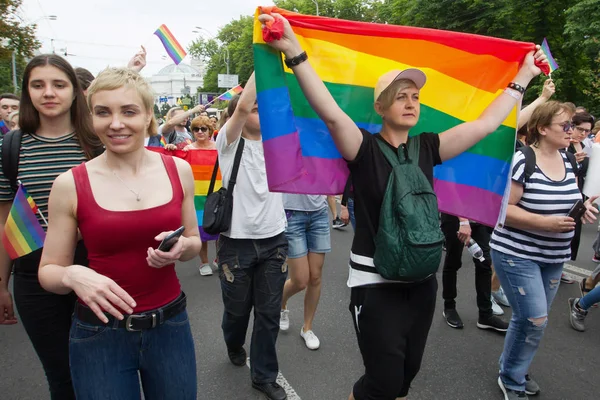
137	194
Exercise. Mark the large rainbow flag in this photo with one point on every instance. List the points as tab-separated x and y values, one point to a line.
202	162
23	233
464	74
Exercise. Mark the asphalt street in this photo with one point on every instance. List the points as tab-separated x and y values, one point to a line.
458	364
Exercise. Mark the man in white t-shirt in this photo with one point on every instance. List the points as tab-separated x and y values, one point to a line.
252	253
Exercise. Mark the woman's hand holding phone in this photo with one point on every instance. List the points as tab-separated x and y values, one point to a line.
170	250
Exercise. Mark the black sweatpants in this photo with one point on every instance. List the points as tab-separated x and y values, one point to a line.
392	323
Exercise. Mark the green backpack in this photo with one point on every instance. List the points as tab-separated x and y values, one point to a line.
408	244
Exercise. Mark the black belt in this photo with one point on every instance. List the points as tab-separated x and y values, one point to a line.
134	322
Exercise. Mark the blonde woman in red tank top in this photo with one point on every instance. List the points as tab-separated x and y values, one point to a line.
130	317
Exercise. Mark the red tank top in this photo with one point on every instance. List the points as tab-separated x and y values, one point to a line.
118	241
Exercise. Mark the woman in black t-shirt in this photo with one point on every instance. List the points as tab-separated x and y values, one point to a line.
392	326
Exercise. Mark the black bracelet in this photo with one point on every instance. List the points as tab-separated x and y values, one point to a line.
294	61
517	87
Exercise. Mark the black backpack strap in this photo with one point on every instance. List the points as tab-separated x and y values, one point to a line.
213	178
236	167
529	161
11	152
573	161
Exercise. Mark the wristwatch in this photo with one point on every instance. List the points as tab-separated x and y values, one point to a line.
294	61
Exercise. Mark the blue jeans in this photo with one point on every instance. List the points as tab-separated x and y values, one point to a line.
252	273
530	288
351	212
307	231
105	361
590	299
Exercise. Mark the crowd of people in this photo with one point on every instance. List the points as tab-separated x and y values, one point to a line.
107	315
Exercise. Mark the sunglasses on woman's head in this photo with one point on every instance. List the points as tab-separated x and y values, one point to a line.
201	128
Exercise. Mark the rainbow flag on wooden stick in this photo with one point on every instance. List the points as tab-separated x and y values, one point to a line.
23	233
172	46
464	72
228	95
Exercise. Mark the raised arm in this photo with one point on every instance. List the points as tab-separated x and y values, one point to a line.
138	61
179	118
525	114
346	135
57	273
456	140
243	109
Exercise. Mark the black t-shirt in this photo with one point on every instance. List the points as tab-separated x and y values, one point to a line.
370	173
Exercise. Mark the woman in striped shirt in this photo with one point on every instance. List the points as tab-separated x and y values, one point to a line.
57	134
530	249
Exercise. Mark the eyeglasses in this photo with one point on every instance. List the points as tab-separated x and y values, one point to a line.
566	126
582	130
201	128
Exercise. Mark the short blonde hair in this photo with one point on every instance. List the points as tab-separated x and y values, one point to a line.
171	112
202	121
115	78
388	96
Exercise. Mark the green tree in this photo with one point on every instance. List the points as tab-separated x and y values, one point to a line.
164	109
234	38
14	36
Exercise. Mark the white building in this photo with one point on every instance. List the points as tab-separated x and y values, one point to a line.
174	81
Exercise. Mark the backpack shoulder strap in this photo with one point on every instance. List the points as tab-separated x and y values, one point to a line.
414	148
529	161
573	161
387	151
213	178
11	152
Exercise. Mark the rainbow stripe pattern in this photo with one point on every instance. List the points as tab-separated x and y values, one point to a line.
464	74
228	95
551	61
163	142
202	162
23	233
172	46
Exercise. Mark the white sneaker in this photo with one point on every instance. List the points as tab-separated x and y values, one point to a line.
500	297
496	309
310	339
284	320
205	270
215	264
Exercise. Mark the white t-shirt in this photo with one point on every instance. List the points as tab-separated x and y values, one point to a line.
257	213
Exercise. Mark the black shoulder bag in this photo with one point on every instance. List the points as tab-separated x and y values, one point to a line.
218	207
11	152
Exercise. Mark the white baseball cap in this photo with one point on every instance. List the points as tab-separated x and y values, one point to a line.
412	74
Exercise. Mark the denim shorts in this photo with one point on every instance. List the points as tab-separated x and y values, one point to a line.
307	231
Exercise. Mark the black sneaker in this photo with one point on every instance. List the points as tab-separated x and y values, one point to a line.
510	394
272	390
452	318
531	386
338	223
492	322
237	356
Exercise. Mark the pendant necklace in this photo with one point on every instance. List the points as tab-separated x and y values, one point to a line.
137	194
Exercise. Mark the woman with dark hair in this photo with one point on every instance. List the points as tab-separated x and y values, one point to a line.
85	79
57	135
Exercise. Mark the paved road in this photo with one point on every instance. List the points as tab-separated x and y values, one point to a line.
459	364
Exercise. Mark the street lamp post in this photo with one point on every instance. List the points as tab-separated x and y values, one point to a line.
317	5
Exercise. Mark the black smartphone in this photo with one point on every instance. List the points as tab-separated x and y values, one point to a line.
577	211
172	238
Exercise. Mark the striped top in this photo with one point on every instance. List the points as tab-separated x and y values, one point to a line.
541	195
41	161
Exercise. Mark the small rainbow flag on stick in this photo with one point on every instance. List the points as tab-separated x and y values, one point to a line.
551	61
176	52
23	233
163	142
228	95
